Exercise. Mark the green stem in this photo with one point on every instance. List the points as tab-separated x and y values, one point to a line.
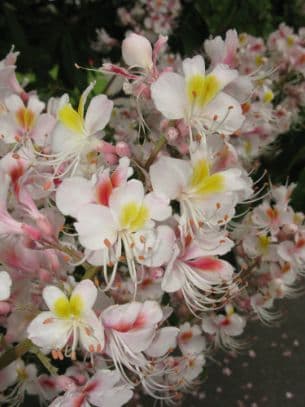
158	147
15	353
44	360
90	273
12	354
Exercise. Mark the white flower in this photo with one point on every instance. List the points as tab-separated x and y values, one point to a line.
198	98
51	330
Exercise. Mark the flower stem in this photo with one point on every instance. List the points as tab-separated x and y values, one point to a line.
158	147
14	353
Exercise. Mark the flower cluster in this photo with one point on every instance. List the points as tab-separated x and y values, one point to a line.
133	238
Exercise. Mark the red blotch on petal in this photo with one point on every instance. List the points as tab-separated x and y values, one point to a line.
206	264
103	191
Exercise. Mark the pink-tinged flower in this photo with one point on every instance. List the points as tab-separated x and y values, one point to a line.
198	98
130	330
141	59
75	192
260	245
190	339
5	285
25	381
68	317
180	373
103	389
25	120
223	51
205	197
262	304
293	251
8	225
270	218
165	341
224	328
8	80
128	222
205	281
77	133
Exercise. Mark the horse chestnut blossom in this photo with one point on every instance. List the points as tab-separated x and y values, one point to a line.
136	234
51	330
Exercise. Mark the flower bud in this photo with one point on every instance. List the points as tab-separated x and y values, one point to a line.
137	51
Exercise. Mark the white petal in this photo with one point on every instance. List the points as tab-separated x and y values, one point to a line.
169	176
88	293
164	340
49	335
43	127
64	140
14	103
193	66
72	194
138	340
159	207
169	95
51	294
151	314
173	279
94	336
95	227
98	114
225	111
162	251
5	285
121	317
8	128
132	191
224	75
35	105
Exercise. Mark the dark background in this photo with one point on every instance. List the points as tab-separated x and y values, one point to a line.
53	35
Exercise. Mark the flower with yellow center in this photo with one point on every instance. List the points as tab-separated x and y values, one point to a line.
71	317
198	98
124	230
76	133
204	196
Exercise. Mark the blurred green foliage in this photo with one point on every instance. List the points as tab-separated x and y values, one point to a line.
53	35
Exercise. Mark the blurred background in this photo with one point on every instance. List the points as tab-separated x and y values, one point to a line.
53	35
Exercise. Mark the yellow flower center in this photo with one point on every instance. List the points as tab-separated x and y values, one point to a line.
71	119
22	374
133	216
25	118
202	183
202	89
264	242
65	308
268	96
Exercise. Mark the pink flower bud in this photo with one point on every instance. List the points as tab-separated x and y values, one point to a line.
122	149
